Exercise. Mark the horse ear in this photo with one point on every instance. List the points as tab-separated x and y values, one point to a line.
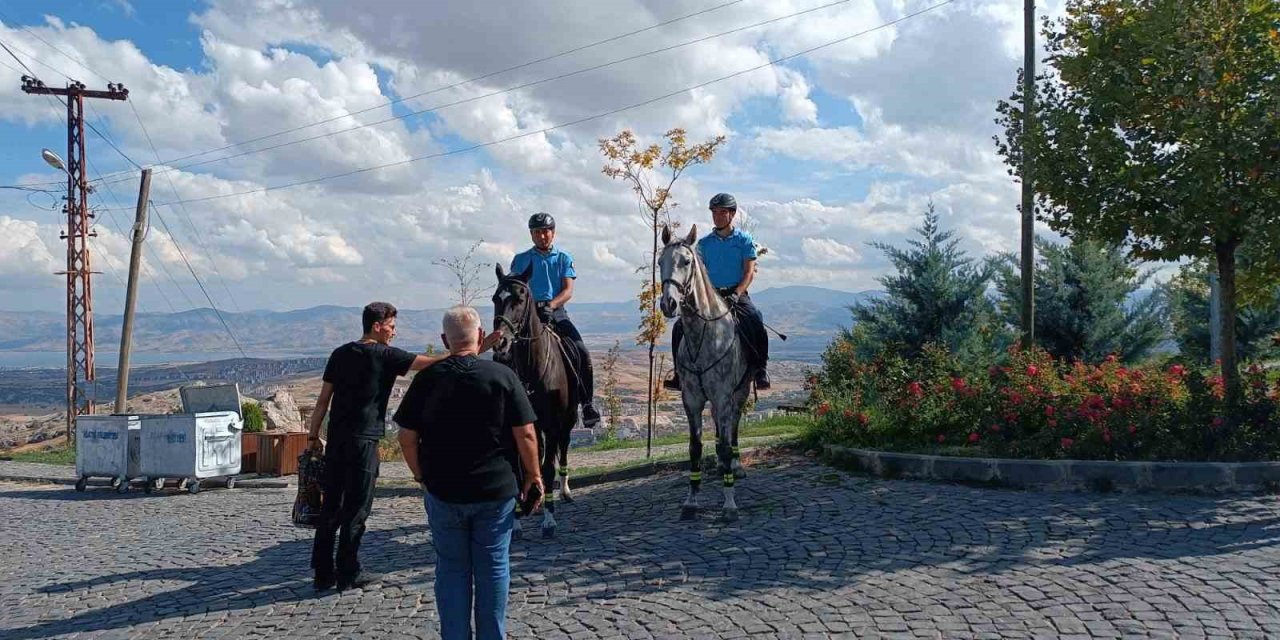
693	235
528	273
666	234
497	268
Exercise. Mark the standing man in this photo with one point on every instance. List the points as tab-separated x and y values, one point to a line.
465	425
552	287
357	383
729	254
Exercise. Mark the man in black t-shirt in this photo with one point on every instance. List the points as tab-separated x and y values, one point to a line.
357	383
466	425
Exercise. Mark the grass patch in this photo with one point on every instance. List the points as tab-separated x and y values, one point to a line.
776	426
59	454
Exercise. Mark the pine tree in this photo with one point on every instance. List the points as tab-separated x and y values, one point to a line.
1086	307
938	295
1188	299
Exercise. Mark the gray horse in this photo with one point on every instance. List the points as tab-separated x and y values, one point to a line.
712	363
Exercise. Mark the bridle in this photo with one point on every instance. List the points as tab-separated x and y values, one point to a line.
687	307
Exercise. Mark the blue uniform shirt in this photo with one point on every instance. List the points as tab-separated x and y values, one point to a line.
549	271
724	256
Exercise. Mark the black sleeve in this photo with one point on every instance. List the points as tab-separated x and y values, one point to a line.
411	412
333	366
398	360
519	410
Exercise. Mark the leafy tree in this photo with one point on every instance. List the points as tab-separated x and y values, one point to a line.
466	273
651	172
937	295
1156	129
1087	304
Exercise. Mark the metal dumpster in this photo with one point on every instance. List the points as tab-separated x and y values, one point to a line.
107	446
192	447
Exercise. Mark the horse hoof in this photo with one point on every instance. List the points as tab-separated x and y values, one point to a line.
730	515
566	497
548	533
688	513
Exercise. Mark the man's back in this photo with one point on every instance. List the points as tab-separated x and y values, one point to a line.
362	374
463	410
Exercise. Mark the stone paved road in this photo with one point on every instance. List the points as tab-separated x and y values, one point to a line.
816	554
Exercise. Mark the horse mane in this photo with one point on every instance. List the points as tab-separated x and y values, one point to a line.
701	285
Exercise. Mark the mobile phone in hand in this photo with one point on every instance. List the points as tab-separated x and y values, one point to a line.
531	498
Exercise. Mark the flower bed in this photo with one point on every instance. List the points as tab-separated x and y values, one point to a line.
1030	406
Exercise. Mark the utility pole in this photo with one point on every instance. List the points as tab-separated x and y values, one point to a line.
131	294
80	367
1215	316
1028	180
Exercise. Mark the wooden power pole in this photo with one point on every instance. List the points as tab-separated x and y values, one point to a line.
131	294
1028	177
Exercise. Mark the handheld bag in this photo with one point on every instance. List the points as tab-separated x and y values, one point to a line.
306	507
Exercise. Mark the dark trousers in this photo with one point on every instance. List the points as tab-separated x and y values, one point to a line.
582	358
750	327
350	472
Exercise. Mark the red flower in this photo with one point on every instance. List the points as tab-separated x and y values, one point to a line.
824	408
993	372
1052	423
973	437
941	438
1049	411
1032	370
1217	422
1112	358
1067	442
848	413
863	418
995	428
915	389
1133	429
1106	436
957	384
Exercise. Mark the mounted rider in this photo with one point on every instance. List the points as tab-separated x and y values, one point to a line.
552	286
729	254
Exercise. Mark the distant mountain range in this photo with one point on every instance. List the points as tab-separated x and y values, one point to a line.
811	314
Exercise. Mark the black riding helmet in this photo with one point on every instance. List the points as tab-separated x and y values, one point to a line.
541	221
723	200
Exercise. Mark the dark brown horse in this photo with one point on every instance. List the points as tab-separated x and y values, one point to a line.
536	353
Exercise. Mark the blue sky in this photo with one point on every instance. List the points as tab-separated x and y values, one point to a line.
827	152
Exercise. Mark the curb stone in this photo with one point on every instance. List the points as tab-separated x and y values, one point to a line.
1094	475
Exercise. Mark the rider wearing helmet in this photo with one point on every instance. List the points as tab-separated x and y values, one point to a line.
729	255
552	287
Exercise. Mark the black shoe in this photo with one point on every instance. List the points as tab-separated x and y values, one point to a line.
762	380
590	417
673	384
362	579
324	582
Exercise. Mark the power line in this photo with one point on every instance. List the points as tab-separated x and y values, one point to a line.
579	121
187	214
462	82
172	238
490	94
198	282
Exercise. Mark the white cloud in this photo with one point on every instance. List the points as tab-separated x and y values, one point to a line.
825	251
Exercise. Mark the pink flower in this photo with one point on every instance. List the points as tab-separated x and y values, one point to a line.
1133	429
1067	442
957	384
915	389
1217	422
1049	411
973	437
941	438
1112	358
1106	437
1032	370
995	428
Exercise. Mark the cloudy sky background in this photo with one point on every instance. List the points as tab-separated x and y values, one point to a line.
826	152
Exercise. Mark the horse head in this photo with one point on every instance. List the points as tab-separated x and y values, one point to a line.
513	307
677	265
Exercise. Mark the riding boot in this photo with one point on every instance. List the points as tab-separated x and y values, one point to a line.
762	379
590	417
673	383
677	334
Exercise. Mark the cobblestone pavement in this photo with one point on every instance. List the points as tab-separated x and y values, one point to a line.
817	553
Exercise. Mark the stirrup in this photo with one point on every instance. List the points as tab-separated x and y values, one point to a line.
672	383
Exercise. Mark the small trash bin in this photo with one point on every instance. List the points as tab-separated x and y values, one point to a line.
107	446
193	447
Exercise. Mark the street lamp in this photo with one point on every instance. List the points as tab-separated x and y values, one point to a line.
53	160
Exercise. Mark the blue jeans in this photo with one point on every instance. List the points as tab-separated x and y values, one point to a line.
473	545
